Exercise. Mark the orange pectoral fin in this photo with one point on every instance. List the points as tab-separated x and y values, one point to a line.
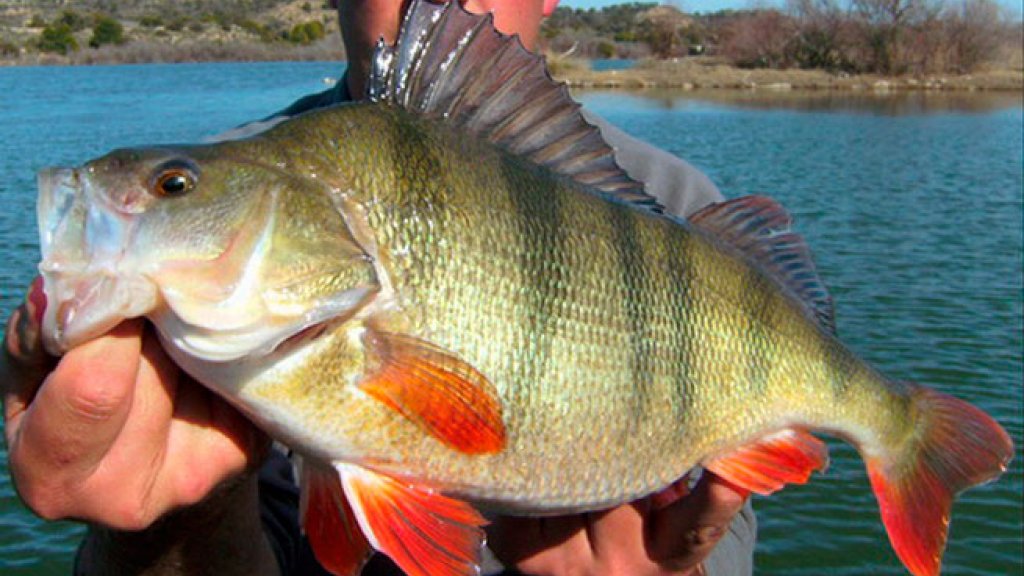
425	533
449	398
785	457
329	524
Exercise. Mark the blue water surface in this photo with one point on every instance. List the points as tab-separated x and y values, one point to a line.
606	64
911	204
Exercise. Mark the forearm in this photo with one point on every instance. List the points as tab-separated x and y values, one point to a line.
222	535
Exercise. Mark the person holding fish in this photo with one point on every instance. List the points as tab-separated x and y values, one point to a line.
451	299
82	430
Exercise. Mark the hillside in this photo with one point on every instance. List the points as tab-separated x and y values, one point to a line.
94	31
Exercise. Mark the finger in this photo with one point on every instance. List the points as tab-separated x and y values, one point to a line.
539	545
76	415
24	363
129	472
206	425
616	538
676	490
683	534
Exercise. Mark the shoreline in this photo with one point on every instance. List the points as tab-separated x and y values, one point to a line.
705	74
685	75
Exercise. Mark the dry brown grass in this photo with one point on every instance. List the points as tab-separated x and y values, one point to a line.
697	73
145	52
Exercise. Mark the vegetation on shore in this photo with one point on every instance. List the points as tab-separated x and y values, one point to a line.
139	31
886	37
887	44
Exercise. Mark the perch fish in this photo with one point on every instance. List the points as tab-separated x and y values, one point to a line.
449	299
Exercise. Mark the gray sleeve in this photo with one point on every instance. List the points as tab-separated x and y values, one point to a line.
680	187
734	554
311	102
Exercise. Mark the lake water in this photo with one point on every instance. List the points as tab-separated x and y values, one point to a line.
912	205
605	64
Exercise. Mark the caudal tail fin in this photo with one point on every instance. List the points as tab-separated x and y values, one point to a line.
955	446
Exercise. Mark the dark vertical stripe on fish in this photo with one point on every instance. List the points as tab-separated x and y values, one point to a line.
417	162
680	275
542	234
637	304
757	342
841	366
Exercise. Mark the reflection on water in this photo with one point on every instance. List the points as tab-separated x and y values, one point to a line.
889	104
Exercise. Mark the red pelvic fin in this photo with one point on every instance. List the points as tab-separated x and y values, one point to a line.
785	457
446	396
425	533
955	446
328	522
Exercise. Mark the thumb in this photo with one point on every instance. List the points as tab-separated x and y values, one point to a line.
685	532
80	408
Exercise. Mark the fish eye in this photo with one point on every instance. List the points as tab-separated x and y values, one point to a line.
174	181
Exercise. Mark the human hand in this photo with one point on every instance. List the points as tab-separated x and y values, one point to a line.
113	432
671	532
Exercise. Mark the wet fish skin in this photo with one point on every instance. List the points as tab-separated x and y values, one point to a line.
433	320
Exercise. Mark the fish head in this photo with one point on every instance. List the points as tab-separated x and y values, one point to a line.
227	256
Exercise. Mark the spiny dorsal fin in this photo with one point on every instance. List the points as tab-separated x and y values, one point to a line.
448	63
759	228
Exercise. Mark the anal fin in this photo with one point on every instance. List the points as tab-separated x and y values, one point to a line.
424	532
329	524
785	457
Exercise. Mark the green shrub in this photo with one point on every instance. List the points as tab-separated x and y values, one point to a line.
151	21
263	32
106	30
58	38
9	49
307	32
605	49
178	24
37	21
72	20
218	18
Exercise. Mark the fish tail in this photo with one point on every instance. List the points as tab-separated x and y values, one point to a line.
952	446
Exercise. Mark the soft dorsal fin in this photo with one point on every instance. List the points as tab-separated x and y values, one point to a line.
448	63
760	229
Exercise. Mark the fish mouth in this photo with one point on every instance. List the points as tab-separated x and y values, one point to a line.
83	244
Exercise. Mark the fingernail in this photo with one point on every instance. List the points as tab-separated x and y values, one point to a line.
711	533
37	300
705	535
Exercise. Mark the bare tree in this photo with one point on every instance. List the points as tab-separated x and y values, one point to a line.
759	39
822	34
974	33
885	26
